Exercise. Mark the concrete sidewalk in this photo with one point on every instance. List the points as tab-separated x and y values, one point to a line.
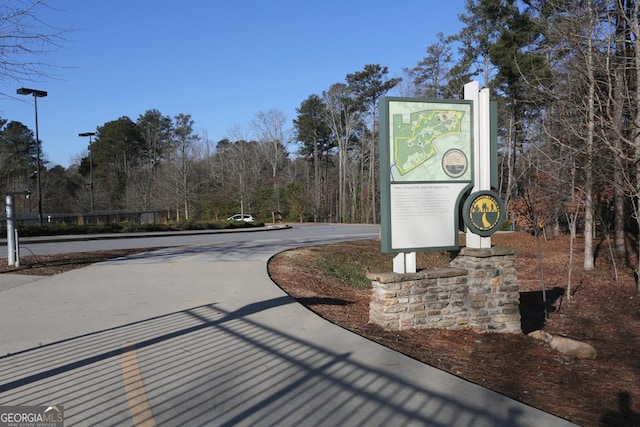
10	280
195	337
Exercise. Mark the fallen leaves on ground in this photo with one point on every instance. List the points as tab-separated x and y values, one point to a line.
603	312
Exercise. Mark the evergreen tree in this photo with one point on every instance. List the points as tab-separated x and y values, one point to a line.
312	131
369	85
116	154
18	154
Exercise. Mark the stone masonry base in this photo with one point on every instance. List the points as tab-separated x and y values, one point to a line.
479	292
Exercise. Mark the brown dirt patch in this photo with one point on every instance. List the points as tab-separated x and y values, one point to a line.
48	265
602	312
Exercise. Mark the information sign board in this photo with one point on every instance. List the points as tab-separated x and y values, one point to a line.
426	157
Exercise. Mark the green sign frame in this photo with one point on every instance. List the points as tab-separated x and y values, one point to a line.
426	168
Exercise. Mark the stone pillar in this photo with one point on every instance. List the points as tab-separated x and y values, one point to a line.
494	297
478	292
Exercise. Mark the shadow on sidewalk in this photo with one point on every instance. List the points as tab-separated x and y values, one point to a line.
207	366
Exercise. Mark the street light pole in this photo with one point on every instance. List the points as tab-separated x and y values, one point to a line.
90	135
36	94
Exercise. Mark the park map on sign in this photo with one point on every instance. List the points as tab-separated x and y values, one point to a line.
432	145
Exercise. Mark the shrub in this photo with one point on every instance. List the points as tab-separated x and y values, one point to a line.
346	272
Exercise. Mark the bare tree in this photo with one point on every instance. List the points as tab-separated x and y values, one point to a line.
572	111
180	173
593	111
633	21
269	129
589	225
24	39
343	117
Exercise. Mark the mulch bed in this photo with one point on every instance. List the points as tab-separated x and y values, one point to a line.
602	311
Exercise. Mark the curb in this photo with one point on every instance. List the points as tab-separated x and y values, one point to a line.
107	236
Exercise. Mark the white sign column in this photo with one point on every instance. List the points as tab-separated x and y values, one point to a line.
481	150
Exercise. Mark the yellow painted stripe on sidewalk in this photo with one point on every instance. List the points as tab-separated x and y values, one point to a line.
134	387
184	259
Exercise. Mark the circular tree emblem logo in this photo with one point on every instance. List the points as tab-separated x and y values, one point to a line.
483	213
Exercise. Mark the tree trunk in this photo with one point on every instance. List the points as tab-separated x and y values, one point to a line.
511	156
619	231
571	220
618	198
316	182
619	96
635	28
372	167
588	179
342	208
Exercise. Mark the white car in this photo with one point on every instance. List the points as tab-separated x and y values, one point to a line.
241	217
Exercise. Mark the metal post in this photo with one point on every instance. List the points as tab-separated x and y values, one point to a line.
36	94
17	240
35	100
11	243
91	173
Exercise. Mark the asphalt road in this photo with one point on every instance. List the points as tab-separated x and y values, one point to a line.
271	240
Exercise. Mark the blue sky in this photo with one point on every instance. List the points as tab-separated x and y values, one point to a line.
221	62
